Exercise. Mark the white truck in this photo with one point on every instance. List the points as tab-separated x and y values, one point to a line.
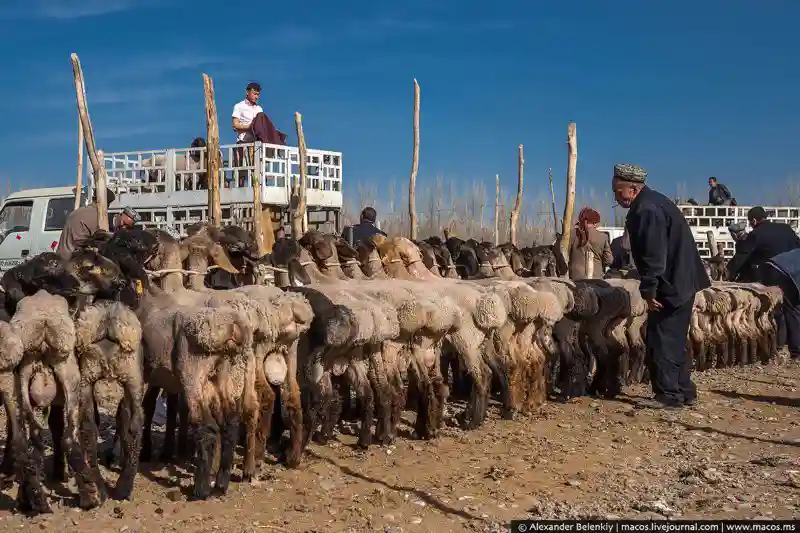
168	188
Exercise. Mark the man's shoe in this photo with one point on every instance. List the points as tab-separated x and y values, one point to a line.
690	403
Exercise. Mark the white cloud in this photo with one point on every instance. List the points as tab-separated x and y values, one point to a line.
68	9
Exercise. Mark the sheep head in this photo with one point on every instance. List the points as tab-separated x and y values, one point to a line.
288	258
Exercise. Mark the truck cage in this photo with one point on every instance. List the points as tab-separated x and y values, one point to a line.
169	187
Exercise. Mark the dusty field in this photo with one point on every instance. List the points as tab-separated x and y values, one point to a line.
734	455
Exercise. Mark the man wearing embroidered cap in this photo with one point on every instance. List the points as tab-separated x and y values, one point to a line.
671	273
126	219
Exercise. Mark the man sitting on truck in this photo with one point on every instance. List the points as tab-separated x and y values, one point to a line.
80	224
718	194
364	229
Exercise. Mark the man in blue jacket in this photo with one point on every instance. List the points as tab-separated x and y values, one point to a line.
671	273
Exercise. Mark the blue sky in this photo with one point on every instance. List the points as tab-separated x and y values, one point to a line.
685	89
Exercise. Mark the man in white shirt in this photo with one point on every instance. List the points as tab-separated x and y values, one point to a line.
243	114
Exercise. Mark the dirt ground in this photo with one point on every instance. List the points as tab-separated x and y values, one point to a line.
734	455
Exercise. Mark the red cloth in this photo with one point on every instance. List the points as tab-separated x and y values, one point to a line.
265	131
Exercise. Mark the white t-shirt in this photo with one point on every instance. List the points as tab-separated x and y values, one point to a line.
245	112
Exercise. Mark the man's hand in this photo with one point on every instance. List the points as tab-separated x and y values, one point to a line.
653	304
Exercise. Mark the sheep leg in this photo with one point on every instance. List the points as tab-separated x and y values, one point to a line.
505	373
469	344
67	373
205	431
380	384
255	382
149	408
229	432
31	496
423	385
269	406
168	447
331	406
358	372
7	465
55	421
185	446
291	395
131	435
88	435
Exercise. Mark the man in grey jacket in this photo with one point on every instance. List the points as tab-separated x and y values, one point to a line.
80	224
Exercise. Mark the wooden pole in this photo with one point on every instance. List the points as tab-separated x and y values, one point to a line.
79	179
212	153
712	243
569	204
100	190
299	215
552	199
95	157
518	202
412	183
496	209
258	212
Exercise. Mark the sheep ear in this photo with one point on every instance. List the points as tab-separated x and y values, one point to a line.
184	247
221	259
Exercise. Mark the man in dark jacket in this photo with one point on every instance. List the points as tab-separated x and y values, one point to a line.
671	273
364	229
718	194
767	240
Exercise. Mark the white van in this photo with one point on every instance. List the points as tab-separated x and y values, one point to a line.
31	222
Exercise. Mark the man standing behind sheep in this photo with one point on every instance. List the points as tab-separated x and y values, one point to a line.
671	273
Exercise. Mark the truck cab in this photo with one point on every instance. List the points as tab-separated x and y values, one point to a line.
31	222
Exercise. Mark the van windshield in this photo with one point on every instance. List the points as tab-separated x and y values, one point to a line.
15	217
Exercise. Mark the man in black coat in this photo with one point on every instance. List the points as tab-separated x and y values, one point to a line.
767	240
364	229
671	273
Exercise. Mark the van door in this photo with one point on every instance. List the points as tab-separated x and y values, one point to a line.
55	216
15	234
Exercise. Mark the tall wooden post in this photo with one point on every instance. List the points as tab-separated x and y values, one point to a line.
299	215
258	212
79	179
496	209
569	204
518	202
100	190
213	162
98	165
552	199
412	183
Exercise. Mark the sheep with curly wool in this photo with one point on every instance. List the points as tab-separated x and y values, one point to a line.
108	339
484	312
347	328
49	366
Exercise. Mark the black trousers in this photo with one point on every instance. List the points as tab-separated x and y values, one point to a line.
791	317
667	361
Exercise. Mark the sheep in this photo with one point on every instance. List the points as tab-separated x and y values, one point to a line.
43	324
346	328
108	344
484	313
27	466
200	352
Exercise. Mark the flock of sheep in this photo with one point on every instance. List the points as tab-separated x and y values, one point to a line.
244	346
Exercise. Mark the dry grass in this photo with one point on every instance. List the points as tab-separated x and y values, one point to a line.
467	210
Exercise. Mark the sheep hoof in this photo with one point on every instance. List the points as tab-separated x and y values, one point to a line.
34	508
90	501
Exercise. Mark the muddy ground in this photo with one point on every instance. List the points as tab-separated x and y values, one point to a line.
734	455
